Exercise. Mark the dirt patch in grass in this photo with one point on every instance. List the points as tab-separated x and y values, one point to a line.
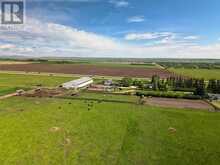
88	70
45	92
179	103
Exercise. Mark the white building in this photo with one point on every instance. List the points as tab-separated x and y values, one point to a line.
79	83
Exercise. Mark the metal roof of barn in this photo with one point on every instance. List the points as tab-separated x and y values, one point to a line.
78	81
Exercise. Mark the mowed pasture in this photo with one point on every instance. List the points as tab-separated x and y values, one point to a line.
85	69
198	73
63	131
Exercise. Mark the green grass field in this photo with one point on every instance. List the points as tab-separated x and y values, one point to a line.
198	73
19	80
9	83
62	131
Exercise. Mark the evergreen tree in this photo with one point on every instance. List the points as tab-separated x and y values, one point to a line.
200	88
155	82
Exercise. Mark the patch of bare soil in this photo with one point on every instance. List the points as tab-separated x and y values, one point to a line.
179	103
45	92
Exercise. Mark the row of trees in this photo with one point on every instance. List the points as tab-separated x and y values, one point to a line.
198	86
189	65
214	86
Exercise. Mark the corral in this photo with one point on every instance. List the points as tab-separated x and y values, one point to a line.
88	70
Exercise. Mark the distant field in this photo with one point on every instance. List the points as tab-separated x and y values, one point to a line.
57	131
85	69
108	64
198	73
19	80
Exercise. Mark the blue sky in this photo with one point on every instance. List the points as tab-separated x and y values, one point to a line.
117	28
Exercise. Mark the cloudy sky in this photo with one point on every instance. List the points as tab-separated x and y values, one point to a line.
117	28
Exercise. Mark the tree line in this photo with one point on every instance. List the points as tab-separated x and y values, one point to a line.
197	86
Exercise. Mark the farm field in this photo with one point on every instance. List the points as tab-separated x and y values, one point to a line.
84	69
62	131
22	80
198	73
104	64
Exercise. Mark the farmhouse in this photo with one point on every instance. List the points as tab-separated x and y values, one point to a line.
79	83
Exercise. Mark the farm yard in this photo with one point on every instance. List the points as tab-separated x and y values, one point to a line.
139	72
63	131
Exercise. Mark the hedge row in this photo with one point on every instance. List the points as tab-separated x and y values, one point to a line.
93	99
168	95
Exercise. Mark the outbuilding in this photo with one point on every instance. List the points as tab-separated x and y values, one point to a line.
79	83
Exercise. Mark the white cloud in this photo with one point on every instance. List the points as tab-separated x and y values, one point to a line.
119	3
136	19
50	39
7	46
147	36
191	37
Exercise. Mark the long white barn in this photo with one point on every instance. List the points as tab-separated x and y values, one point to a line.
79	83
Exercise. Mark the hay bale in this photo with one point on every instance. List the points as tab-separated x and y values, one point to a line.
172	130
54	129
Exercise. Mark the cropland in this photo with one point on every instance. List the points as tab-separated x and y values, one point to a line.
85	69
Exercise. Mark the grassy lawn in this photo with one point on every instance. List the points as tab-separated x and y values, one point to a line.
19	80
61	131
198	73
